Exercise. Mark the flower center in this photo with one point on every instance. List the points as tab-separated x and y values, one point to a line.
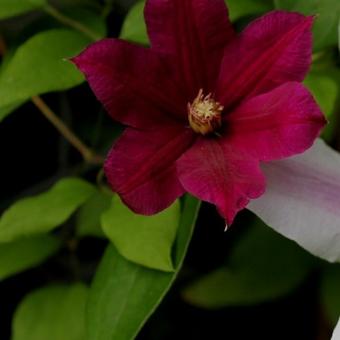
205	114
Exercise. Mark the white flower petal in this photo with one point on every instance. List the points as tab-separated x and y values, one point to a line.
302	200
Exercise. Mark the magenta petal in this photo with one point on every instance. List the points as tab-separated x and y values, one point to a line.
275	125
141	167
272	50
217	174
193	33
133	83
302	200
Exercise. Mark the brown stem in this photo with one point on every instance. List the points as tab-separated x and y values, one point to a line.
71	22
88	155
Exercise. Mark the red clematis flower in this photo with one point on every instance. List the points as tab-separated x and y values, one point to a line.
204	106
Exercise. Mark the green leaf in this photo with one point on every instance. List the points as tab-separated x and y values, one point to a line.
9	8
39	66
42	213
134	28
330	292
325	27
242	8
24	254
325	90
53	313
8	109
124	294
262	266
146	240
88	216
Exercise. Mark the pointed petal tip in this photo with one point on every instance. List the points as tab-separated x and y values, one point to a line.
226	228
73	60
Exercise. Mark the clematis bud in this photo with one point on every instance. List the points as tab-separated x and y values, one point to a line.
205	114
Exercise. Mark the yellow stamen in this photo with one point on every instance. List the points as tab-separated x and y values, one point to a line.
205	114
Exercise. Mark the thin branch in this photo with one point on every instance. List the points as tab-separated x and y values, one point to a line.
88	155
55	13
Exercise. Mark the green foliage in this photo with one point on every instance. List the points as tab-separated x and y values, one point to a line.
87	18
263	266
125	294
53	313
146	240
9	8
42	213
330	292
40	66
242	8
134	28
325	90
339	35
328	13
24	254
88	217
324	83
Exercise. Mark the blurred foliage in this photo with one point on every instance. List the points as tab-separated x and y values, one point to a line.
20	255
327	18
262	266
53	312
11	8
42	213
36	39
88	217
330	292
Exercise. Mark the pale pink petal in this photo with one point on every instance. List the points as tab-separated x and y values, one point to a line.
336	333
217	174
302	200
272	50
277	124
193	33
141	167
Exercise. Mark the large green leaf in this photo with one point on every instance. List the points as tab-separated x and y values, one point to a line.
146	240
23	254
328	13
40	66
40	214
262	266
330	292
53	313
124	294
134	28
9	8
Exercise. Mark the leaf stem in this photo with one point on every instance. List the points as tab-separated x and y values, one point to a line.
88	155
54	12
